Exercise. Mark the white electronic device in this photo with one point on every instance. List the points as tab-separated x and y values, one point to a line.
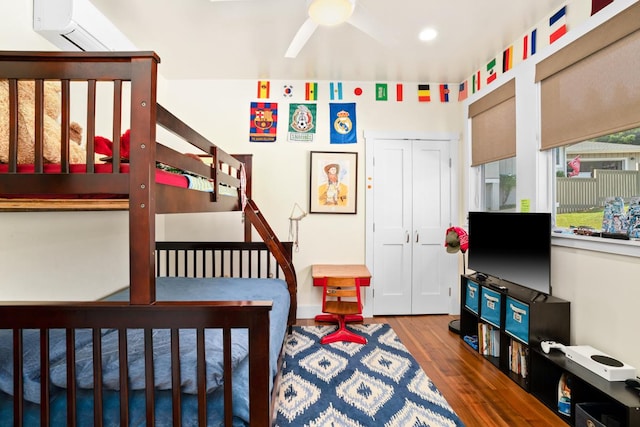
548	345
599	363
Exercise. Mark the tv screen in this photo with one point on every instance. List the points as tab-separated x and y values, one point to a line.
515	247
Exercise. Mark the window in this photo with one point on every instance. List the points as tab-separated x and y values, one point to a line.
590	88
493	147
591	173
499	189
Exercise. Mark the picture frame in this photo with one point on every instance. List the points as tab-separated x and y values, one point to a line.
333	182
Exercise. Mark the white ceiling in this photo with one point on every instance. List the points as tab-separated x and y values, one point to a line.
247	39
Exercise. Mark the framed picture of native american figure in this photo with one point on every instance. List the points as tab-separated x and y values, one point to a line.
333	182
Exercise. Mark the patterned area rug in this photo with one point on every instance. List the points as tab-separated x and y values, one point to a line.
351	385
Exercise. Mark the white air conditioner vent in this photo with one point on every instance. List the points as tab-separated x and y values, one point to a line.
77	25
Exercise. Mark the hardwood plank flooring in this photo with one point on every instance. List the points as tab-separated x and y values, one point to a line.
478	392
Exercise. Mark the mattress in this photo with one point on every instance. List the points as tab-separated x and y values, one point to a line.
167	177
167	289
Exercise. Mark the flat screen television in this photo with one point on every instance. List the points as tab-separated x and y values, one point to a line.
515	247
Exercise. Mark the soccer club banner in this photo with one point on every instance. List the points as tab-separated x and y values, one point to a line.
342	120
302	122
264	121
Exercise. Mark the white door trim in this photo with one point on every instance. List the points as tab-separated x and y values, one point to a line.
369	138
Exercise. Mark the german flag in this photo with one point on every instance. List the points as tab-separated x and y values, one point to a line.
507	59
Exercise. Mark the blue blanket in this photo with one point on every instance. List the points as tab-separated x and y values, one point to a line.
167	289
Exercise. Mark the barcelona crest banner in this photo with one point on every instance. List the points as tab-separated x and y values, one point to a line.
302	122
342	121
264	121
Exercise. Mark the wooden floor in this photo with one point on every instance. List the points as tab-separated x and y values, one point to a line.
477	391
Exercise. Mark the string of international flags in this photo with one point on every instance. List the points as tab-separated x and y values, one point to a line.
343	114
336	93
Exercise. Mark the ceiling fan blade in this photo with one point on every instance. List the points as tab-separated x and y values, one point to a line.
364	21
301	38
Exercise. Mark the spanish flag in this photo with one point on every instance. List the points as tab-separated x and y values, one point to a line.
424	93
263	89
311	91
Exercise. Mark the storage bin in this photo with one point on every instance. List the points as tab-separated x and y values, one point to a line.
490	308
516	321
595	414
472	297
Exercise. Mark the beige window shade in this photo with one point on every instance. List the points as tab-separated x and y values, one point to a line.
493	125
591	87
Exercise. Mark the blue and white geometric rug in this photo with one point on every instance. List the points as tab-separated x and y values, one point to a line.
353	385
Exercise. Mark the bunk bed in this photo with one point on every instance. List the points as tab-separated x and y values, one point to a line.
163	350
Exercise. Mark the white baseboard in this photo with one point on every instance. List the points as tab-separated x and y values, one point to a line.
308	311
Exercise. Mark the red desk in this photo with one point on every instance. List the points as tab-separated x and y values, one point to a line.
320	271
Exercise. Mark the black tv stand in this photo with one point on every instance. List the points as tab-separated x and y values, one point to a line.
538	295
492	320
508	321
482	277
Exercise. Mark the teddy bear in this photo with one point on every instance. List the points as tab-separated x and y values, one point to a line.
26	125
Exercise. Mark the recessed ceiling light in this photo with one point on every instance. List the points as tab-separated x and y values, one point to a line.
428	34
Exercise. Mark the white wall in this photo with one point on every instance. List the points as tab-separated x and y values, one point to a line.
220	109
57	256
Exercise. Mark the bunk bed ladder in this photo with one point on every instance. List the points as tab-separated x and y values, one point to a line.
255	217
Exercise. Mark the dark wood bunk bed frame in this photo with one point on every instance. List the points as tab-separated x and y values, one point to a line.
138	191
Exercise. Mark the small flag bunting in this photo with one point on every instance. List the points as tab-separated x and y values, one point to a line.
424	93
381	92
335	91
287	91
558	24
444	93
263	89
597	5
475	82
399	92
507	59
463	91
311	91
529	44
491	71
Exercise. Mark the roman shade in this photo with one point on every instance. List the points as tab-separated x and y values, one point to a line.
591	87
493	125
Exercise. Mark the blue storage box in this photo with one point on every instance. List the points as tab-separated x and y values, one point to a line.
516	321
472	297
490	309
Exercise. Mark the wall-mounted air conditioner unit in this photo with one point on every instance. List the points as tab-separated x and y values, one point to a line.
77	25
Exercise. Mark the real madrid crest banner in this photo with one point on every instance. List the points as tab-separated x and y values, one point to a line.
264	121
342	118
302	122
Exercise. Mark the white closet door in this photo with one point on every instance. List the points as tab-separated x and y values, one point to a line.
392	227
431	217
411	213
